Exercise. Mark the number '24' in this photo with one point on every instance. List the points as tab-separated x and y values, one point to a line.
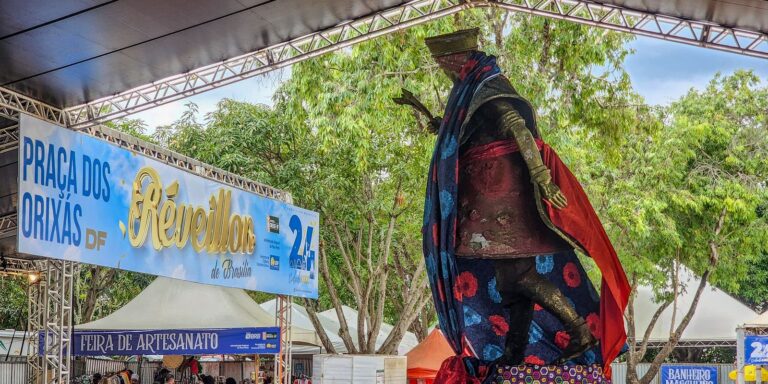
306	259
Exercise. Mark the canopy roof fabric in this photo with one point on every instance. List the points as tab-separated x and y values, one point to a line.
177	304
741	14
758	322
67	52
425	359
716	318
300	318
70	52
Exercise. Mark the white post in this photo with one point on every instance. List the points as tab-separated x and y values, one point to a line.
740	355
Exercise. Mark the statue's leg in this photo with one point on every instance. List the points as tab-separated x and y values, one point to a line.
520	306
526	281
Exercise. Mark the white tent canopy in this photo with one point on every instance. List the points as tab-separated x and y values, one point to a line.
300	318
716	318
758	322
177	304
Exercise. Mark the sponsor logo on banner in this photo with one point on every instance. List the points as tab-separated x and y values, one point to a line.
273	224
86	200
688	374
756	350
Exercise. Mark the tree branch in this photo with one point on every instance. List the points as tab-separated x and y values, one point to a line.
343	326
675	337
312	312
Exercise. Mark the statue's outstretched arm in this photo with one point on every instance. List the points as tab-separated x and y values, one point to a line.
509	120
408	98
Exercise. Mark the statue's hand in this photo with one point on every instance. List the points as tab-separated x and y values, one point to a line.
553	194
434	124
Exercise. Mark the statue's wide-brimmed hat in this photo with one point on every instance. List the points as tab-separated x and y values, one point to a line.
450	43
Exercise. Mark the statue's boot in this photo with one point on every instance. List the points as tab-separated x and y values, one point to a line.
547	295
581	340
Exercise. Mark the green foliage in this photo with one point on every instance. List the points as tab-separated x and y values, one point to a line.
663	202
13	302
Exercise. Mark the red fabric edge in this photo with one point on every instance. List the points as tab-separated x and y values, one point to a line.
579	221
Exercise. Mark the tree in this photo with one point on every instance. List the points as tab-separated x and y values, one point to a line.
705	210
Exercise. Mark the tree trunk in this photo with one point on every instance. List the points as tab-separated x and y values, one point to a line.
312	312
343	327
674	338
101	278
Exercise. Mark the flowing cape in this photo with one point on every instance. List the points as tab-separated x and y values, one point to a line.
579	222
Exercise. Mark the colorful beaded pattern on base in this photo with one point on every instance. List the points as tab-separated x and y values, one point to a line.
550	374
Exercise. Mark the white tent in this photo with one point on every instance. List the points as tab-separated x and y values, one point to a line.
177	304
300	318
406	344
758	322
716	318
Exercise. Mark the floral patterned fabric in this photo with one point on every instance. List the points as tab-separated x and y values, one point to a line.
486	320
557	374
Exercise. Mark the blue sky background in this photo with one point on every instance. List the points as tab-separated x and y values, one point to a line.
661	71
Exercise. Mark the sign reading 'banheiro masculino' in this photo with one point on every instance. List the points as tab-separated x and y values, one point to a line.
84	199
688	374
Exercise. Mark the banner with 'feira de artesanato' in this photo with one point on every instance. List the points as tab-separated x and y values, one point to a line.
84	199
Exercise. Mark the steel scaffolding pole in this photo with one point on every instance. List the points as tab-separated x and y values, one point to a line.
57	321
284	361
35	320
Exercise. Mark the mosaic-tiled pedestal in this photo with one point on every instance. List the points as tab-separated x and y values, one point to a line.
549	374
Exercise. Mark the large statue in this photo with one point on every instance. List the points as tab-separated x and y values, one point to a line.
503	216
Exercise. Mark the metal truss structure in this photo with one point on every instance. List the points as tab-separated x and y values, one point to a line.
8	225
57	320
12	103
9	139
283	319
262	61
580	11
696	344
50	297
16	266
35	322
703	34
183	162
50	304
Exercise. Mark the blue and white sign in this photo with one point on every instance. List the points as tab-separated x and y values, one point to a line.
86	200
756	349
244	341
688	374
